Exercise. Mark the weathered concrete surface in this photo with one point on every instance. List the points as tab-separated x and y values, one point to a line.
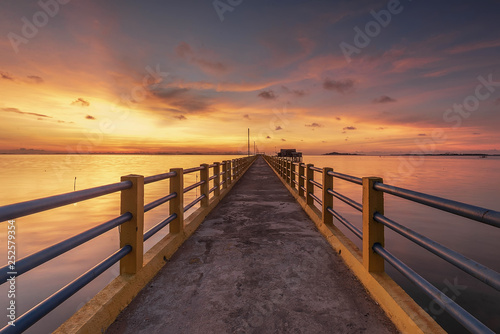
256	265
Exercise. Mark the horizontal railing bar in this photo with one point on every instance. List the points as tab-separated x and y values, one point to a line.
153	230
303	177
43	308
194	185
303	188
212	189
317	184
193	203
316	169
296	173
159	177
346	223
192	170
316	198
452	308
159	202
479	214
473	268
212	177
17	210
346	199
212	165
34	260
295	182
346	177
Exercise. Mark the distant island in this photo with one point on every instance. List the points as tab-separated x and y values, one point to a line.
337	153
448	154
418	154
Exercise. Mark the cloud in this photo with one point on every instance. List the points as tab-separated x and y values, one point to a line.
283	139
35	79
314	125
246	116
268	137
384	99
278	128
349	128
182	99
89	117
474	46
17	111
180	117
81	102
294	92
341	86
184	51
422	135
6	76
380	128
338	118
268	95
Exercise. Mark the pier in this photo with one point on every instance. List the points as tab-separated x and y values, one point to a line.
261	252
256	264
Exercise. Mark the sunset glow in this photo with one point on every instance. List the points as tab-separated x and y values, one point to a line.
184	76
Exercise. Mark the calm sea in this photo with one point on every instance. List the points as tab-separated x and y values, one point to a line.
470	180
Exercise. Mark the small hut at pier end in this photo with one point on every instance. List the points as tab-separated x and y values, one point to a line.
290	154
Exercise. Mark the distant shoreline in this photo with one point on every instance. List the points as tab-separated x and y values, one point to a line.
419	155
34	152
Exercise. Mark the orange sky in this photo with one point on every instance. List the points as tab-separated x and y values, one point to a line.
83	83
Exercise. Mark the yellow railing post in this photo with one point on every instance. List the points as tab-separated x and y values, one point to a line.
204	188
301	179
177	204
373	232
309	186
327	198
131	232
217	179
229	176
224	174
288	173
292	173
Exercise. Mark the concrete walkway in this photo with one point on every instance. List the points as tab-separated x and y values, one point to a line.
256	265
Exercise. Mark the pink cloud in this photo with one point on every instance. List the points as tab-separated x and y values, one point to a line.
474	46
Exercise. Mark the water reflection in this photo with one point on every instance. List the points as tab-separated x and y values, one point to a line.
27	177
469	180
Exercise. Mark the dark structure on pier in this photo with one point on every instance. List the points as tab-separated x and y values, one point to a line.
290	154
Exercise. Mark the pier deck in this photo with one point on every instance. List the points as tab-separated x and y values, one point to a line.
256	264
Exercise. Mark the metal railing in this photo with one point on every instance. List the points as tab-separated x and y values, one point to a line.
131	222
374	219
